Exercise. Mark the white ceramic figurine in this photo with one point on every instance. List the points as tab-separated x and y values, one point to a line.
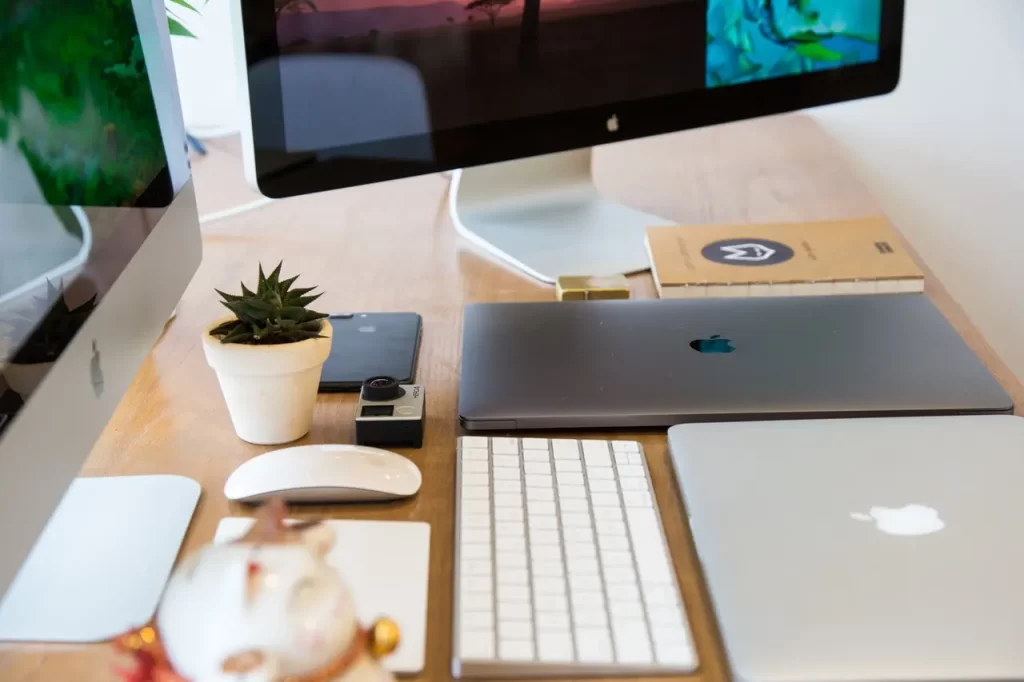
267	608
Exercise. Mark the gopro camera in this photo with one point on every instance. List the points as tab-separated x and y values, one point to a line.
390	414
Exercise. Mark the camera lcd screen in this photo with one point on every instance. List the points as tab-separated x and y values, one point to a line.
378	411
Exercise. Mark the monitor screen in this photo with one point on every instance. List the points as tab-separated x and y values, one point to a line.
90	160
341	84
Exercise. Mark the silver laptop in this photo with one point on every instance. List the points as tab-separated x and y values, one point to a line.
863	549
659	363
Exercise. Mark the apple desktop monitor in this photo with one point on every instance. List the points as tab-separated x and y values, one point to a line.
516	92
100	236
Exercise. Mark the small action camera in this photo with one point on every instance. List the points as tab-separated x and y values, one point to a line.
390	414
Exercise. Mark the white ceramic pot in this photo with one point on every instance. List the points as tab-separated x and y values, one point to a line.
25	379
270	390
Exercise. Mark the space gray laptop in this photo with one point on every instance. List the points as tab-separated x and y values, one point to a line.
862	549
662	362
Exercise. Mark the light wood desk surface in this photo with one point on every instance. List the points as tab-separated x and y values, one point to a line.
392	247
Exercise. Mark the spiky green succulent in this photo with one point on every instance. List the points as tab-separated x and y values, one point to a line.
275	313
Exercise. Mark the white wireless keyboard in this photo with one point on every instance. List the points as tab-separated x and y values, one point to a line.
561	565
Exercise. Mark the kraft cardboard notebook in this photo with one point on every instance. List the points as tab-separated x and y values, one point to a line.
786	259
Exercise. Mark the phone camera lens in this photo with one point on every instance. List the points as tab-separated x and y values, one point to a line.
380	389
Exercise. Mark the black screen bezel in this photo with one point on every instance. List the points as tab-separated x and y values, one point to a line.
282	175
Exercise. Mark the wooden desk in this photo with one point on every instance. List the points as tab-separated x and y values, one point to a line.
391	247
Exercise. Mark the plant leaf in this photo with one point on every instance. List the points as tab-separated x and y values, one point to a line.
178	29
184	4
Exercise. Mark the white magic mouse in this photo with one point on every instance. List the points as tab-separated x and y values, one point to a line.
324	473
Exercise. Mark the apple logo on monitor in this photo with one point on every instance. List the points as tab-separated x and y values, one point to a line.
713	345
910	519
613	124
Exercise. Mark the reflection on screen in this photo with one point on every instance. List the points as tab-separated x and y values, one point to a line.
477	61
84	173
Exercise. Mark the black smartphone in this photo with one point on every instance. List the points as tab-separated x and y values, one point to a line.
369	345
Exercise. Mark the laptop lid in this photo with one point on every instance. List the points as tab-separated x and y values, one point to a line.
657	363
866	549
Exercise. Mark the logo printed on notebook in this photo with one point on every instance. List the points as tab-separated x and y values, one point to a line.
747	252
908	520
713	345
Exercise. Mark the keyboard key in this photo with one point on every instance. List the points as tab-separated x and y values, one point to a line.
599	474
507	560
555	647
600	485
516	650
619	542
631	642
616	558
470	507
542	468
619	574
606	527
477	620
572	492
509	485
608	513
568	465
581	565
474	441
636	458
626	610
581	549
476	645
541	508
545	552
540	494
551	620
577	520
508	500
506	473
535	444
481	521
596	454
637	498
513	593
514	611
619	593
471	536
512	576
590	617
633	484
569	478
508	461
475	466
535	481
664	615
674	654
632	470
508	514
476	583
476	493
514	629
548	585
625	446
565	449
543	522
541	456
469	479
585	581
551	569
593	645
573	504
513	528
604	499
476	567
505	446
510	543
551	602
475	551
544	537
662	595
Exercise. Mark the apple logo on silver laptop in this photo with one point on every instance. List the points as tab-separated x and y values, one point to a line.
911	519
613	124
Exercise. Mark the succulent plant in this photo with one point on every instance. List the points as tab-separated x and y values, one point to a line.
43	332
275	313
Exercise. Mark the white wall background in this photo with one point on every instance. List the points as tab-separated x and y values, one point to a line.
945	156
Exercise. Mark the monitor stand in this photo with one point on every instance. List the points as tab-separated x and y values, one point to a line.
545	217
99	567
